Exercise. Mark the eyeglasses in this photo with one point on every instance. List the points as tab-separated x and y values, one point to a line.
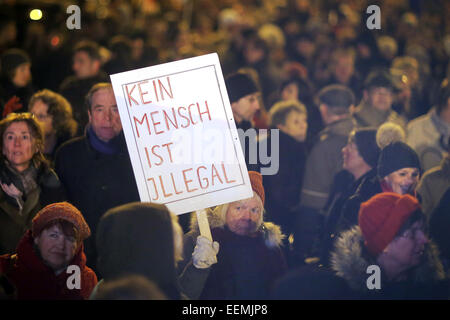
413	233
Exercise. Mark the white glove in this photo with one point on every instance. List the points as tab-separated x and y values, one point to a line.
205	253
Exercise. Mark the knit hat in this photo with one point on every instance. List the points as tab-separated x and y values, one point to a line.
365	140
239	85
11	59
60	210
336	96
379	79
382	216
395	156
257	184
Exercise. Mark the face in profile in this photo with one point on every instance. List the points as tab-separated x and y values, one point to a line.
55	247
352	160
406	250
404	180
246	107
244	217
18	145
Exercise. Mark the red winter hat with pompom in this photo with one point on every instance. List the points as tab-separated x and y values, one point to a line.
382	216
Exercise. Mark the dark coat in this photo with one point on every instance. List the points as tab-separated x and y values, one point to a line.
33	280
247	268
345	187
14	221
439	223
311	282
95	182
366	190
283	188
75	91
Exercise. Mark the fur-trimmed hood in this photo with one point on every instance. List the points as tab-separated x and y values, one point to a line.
350	261
272	232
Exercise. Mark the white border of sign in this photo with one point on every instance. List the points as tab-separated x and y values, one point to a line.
202	199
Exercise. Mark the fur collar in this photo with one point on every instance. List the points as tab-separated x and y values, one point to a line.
273	235
350	261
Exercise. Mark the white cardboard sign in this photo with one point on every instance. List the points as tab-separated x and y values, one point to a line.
181	136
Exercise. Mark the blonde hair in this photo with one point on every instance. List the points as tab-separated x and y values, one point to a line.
221	210
280	111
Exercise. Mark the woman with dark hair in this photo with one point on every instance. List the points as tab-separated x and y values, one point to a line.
26	179
54	113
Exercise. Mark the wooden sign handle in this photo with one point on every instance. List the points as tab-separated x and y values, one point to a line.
203	224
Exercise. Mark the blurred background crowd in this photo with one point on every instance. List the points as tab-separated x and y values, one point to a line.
341	75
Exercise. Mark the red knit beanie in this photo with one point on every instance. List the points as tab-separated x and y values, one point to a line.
257	185
64	211
382	216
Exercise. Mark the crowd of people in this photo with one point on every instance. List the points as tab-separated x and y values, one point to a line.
359	206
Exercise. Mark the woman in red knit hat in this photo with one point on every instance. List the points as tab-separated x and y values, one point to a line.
39	270
388	255
245	258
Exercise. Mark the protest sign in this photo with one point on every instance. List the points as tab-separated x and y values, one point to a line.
181	136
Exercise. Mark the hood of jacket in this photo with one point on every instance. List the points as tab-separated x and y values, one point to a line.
137	238
35	280
272	232
350	261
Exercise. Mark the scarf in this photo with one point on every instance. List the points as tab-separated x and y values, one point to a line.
110	147
25	182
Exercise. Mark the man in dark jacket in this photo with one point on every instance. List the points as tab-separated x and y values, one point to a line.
96	168
87	69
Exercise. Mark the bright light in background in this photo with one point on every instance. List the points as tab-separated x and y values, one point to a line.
35	14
